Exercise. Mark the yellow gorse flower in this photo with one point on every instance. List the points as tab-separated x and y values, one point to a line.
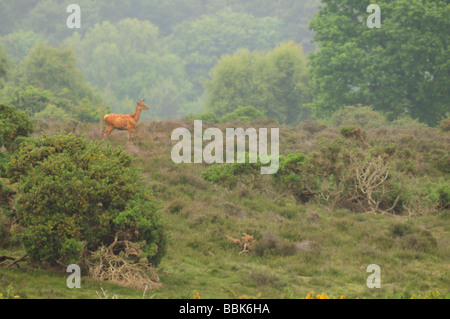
310	295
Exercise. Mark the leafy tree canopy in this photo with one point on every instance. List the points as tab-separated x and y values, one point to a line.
128	60
203	41
401	68
49	75
274	83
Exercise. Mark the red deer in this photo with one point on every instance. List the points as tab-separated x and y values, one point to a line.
124	122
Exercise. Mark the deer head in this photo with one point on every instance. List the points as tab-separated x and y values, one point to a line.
141	106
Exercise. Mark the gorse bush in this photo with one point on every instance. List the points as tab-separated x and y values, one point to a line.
354	132
363	116
230	175
445	124
246	114
76	196
208	117
13	123
5	194
367	118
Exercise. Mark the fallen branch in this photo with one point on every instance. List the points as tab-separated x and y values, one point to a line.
4	258
15	260
280	197
107	266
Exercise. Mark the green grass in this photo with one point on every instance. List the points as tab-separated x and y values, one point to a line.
201	260
44	285
413	253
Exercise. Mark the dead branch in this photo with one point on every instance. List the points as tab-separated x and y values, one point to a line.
16	261
370	184
4	258
119	269
246	241
281	196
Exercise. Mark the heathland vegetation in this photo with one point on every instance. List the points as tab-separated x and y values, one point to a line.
364	164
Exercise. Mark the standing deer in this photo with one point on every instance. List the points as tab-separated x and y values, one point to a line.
124	122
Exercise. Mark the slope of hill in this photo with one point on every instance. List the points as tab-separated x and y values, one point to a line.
296	247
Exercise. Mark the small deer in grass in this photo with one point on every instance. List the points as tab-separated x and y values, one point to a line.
124	122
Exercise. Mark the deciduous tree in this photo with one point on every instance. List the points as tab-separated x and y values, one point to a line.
401	68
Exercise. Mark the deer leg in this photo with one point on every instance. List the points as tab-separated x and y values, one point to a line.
103	132
129	138
109	129
134	133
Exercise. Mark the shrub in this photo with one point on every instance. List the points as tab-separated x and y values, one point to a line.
382	175
410	236
354	132
289	174
407	122
271	244
229	175
30	99
445	124
208	117
6	195
443	164
4	160
312	126
13	123
245	114
362	116
341	173
53	113
76	196
439	193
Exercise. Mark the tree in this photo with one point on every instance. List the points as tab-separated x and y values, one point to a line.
3	61
3	64
289	84
19	43
128	60
6	21
29	98
165	14
203	41
50	76
274	83
401	68
295	16
55	69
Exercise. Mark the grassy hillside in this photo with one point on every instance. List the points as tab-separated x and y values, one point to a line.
298	247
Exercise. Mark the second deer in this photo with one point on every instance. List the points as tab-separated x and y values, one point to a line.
124	122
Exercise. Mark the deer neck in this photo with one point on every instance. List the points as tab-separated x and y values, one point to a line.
136	116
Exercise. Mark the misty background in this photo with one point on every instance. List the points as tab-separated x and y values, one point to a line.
127	50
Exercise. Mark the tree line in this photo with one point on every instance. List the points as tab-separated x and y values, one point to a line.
211	57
